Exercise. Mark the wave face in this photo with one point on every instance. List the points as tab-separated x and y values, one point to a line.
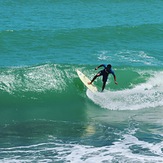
38	84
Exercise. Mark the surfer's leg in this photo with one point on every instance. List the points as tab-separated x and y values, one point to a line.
103	86
97	75
105	76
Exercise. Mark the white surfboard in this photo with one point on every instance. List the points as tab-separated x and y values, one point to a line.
85	80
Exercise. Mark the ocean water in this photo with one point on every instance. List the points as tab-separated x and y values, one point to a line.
47	114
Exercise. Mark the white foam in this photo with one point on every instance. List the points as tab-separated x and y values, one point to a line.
145	95
122	150
140	57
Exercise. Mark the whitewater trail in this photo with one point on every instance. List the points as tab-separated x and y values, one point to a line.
144	95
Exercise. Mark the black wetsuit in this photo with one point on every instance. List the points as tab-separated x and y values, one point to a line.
105	72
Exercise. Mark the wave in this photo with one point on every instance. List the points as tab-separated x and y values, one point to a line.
36	81
107	33
117	44
51	83
103	32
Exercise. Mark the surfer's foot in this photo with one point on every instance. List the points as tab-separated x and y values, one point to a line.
89	83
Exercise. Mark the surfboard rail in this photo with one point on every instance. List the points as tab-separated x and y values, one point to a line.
86	80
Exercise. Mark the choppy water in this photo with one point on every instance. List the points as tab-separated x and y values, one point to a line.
47	115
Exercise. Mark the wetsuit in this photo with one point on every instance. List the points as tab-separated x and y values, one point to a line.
105	72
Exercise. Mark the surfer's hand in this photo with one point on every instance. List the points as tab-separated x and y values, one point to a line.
115	82
96	68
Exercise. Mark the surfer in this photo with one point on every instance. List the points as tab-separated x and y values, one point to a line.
105	72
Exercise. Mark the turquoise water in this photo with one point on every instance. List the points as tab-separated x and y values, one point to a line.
47	114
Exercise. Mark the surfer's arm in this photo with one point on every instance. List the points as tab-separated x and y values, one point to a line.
115	81
100	66
114	78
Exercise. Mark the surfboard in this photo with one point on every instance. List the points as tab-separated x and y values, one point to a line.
85	81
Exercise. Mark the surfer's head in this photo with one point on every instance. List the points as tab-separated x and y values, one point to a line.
109	66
